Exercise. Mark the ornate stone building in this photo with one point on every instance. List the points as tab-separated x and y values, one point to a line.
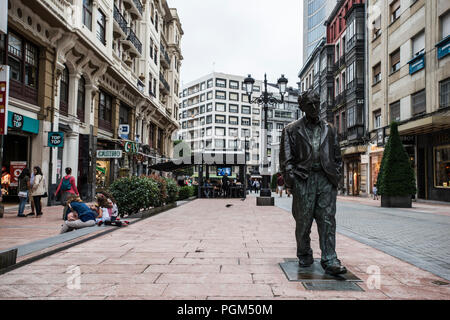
86	68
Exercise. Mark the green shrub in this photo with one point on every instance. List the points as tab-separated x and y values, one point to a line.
172	190
134	193
396	176
185	192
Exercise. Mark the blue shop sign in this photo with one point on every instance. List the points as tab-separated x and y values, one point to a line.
443	47
417	63
23	123
56	139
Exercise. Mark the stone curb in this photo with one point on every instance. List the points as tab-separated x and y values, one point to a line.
141	216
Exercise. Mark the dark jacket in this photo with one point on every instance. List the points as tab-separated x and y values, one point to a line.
296	152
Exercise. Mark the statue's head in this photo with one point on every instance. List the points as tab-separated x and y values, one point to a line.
309	103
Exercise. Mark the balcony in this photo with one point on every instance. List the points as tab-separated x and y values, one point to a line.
133	44
165	85
62	9
341	98
165	57
120	25
135	7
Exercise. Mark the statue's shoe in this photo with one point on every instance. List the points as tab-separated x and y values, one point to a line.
305	261
335	269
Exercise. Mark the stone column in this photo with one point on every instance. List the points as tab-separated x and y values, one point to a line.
74	79
70	157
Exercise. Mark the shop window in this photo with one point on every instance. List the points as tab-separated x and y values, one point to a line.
87	13
442	166
418	102
64	92
81	98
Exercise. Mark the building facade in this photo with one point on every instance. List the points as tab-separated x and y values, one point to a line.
315	12
87	68
409	82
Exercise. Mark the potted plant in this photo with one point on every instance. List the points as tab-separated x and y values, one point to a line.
396	181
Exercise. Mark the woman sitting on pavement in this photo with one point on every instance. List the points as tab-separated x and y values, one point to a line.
79	215
108	212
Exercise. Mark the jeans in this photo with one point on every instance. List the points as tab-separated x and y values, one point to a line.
22	203
37	205
77	224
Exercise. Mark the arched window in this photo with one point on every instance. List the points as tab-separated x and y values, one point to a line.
64	92
80	98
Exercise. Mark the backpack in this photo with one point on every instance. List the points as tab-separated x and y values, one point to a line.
65	185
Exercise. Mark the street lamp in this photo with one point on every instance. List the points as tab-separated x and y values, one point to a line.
265	99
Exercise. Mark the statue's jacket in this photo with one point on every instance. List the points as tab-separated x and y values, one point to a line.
296	152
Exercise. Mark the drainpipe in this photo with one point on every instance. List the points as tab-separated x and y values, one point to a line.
366	93
50	198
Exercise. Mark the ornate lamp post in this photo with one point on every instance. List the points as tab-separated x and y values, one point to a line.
265	99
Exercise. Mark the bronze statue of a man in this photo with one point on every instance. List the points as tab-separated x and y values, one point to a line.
311	164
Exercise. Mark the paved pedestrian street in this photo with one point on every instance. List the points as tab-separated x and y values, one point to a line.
206	250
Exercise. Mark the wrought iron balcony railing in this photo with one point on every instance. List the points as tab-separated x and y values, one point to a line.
120	20
134	40
164	82
164	52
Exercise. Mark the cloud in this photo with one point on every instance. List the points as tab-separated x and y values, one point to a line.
241	37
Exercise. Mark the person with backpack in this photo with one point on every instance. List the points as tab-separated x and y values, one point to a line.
68	187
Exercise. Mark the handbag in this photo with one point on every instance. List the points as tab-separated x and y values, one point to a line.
23	194
45	195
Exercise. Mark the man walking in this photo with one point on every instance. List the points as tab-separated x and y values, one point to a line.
311	162
280	183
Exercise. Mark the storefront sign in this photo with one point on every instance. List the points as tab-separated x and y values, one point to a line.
408	139
4	81
131	147
15	169
56	139
107	154
124	131
20	122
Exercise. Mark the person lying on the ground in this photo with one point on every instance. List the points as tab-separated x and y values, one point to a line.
81	216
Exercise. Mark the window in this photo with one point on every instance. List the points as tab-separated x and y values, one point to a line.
22	58
245	98
418	43
220	131
337	87
245	109
442	166
202	121
80	98
256	88
222	95
124	112
221	107
221	83
234	108
104	110
220	119
395	111
245	121
395	10
208	144
395	60
255	123
209	107
202	109
418	102
234	84
210	83
376	71
351	73
219	143
233	132
209	95
245	132
202	97
202	86
444	28
233	120
234	96
87	13
64	92
101	27
377	119
376	30
350	32
256	111
444	93
280	126
208	119
209	131
233	144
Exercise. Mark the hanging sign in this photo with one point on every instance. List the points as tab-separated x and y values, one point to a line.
130	147
4	80
124	131
107	154
56	139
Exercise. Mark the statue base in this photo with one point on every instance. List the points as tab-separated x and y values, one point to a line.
315	278
265	201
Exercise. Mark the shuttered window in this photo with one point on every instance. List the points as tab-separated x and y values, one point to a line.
395	60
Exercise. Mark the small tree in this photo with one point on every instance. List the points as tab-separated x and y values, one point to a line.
396	176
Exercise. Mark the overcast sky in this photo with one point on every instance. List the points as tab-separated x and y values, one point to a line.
241	37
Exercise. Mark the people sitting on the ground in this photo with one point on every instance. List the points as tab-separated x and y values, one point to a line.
108	211
81	216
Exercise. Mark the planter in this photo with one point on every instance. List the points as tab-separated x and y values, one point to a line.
396	201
